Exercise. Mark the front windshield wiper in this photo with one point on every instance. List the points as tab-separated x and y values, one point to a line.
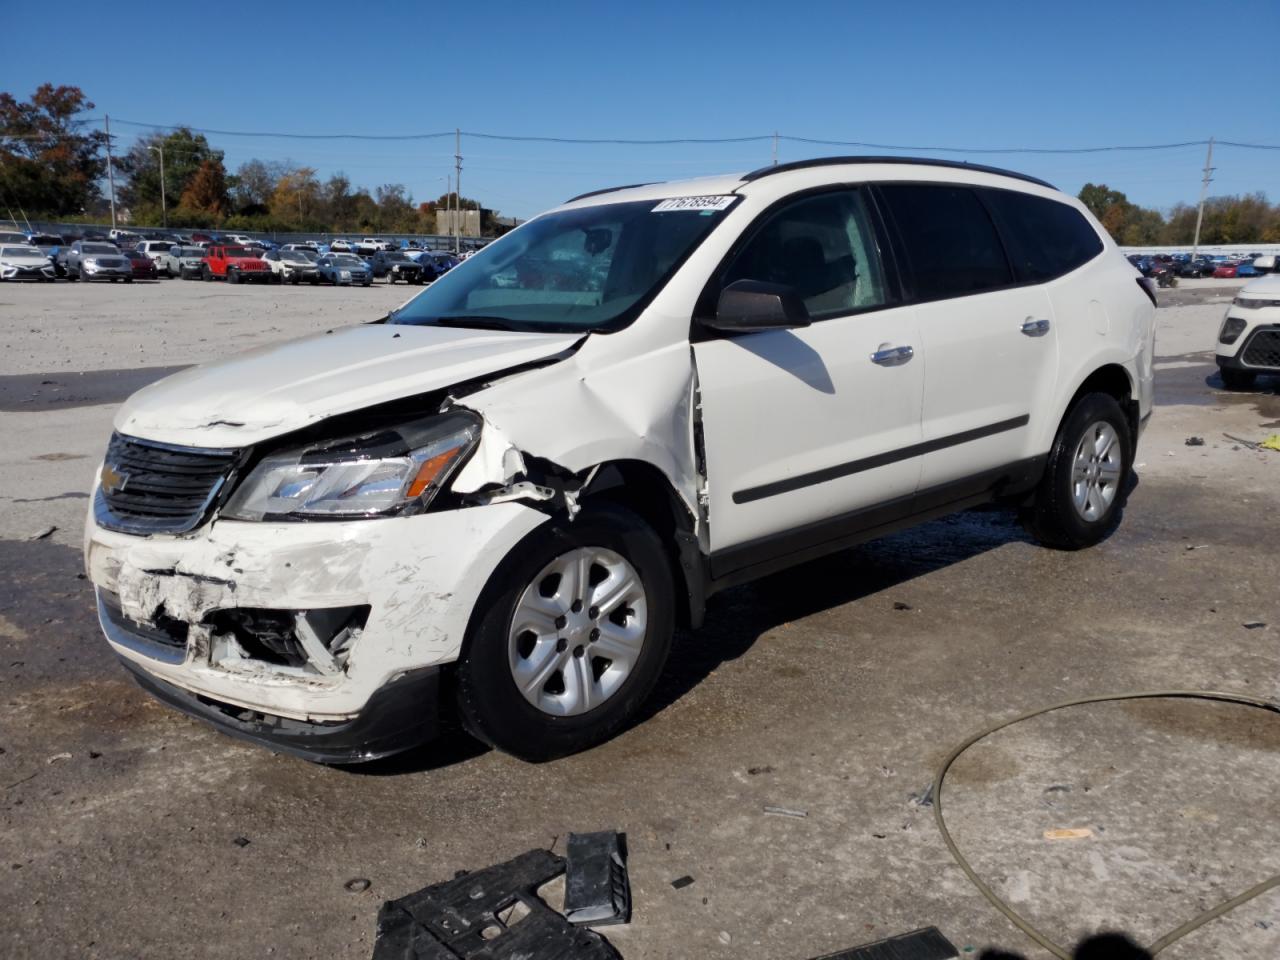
480	323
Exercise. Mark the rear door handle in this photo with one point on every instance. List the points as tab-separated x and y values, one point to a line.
892	356
1035	328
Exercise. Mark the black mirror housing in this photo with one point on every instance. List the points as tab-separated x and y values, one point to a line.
750	306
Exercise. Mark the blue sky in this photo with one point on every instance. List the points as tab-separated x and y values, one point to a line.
966	74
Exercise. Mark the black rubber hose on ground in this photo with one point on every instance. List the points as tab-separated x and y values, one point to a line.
1017	919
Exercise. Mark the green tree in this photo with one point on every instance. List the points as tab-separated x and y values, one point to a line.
254	183
50	163
184	153
1099	198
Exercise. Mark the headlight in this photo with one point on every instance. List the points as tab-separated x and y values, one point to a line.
1232	327
390	472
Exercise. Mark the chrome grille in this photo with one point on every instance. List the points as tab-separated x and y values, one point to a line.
1263	349
151	487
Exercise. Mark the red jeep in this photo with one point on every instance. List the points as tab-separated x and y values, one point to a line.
234	264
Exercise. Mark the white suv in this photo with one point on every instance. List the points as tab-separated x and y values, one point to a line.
502	498
1249	338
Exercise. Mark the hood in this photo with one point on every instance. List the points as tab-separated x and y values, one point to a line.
250	261
34	257
1268	286
276	390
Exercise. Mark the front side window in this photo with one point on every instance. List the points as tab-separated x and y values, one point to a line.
822	246
1046	238
951	244
587	269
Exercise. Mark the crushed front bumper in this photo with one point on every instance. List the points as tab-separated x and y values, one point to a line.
164	602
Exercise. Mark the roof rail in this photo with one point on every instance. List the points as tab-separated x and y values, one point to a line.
596	193
920	161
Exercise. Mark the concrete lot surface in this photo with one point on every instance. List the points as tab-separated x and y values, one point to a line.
834	689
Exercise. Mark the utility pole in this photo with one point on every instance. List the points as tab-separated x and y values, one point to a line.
111	176
1204	190
164	204
775	148
457	185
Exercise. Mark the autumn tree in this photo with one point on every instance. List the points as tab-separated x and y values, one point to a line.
50	162
184	153
206	194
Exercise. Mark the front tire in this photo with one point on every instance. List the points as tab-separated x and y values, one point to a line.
1081	495
1237	379
569	636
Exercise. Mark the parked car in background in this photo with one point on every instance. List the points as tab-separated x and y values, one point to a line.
144	268
182	260
13	238
22	261
302	245
344	269
1249	338
1265	263
1246	269
157	250
1225	271
50	244
123	238
96	260
292	266
239	239
395	265
437	262
341	246
1199	267
371	245
233	264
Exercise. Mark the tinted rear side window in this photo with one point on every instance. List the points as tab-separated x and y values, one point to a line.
1046	238
951	244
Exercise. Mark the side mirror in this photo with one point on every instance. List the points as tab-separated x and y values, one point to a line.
749	306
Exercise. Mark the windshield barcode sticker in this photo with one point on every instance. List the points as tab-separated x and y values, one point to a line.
693	203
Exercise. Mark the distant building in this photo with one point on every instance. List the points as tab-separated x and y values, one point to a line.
468	222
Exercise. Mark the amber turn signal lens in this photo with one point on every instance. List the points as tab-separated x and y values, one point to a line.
431	469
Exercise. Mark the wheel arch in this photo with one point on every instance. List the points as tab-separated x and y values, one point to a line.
644	489
1114	380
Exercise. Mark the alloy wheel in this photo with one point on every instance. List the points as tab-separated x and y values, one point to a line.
577	631
1096	470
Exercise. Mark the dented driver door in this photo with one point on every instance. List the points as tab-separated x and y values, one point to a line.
809	430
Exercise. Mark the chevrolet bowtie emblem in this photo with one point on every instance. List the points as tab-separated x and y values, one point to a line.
113	481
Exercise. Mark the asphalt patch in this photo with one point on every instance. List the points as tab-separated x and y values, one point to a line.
25	392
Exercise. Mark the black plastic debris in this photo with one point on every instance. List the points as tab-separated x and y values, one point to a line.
680	883
489	914
1194	441
926	944
597	890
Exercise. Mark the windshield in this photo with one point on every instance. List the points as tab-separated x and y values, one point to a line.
239	252
98	248
344	261
576	270
19	252
398	257
192	252
293	256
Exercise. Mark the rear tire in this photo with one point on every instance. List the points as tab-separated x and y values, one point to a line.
1237	379
233	276
1081	496
574	695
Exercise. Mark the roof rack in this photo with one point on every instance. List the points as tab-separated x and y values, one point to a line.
920	161
596	193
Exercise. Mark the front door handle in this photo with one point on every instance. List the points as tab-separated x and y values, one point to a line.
1035	328
888	356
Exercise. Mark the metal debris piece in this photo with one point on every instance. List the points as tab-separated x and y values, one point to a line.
924	798
925	944
597	890
489	914
786	812
1244	443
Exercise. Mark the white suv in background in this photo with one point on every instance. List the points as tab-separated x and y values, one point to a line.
501	499
1249	338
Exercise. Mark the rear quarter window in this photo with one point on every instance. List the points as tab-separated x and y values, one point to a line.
952	248
1045	238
